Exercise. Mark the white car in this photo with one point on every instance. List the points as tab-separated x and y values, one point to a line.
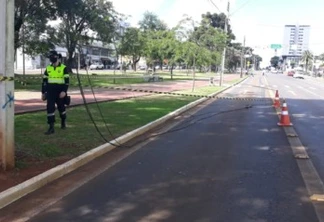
299	76
96	66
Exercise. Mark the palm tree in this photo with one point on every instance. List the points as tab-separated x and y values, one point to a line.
307	57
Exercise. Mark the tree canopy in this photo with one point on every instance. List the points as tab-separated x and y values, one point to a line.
80	22
151	22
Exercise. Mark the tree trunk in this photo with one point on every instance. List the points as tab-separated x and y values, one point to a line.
69	61
135	61
194	75
172	72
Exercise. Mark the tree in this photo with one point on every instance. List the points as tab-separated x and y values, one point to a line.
275	61
79	18
321	58
133	45
32	15
258	60
205	37
171	50
307	58
151	22
218	21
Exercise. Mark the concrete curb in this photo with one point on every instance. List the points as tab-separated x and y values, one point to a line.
14	193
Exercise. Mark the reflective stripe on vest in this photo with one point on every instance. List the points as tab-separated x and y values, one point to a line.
55	75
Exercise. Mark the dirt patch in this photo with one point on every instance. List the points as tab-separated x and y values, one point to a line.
29	169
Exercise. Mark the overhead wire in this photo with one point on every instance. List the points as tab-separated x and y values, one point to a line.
212	2
240	7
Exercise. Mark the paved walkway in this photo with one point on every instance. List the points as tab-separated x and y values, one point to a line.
27	101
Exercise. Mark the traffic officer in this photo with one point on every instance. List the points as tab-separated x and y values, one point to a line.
54	89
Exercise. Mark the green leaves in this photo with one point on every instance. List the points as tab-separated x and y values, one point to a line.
133	44
275	61
79	19
31	17
151	22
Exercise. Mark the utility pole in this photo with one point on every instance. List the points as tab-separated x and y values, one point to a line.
224	51
242	56
7	152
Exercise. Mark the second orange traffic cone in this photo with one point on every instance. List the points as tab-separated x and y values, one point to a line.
284	117
276	103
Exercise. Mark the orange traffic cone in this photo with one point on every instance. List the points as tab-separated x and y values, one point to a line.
276	103
284	117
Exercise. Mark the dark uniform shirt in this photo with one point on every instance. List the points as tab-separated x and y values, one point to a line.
66	79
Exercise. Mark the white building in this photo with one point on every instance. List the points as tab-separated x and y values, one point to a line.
296	40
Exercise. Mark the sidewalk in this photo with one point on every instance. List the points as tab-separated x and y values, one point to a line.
30	101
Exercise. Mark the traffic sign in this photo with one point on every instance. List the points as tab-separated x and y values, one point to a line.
275	46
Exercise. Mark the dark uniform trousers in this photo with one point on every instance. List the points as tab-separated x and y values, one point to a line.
53	97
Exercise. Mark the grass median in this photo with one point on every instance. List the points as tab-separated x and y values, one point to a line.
33	82
119	117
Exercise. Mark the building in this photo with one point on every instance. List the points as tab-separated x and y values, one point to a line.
295	43
93	52
296	40
96	52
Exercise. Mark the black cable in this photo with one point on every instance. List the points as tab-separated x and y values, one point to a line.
99	109
89	113
240	7
190	124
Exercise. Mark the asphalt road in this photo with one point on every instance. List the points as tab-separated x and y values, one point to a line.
224	163
305	99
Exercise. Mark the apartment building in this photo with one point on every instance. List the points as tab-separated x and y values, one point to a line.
296	40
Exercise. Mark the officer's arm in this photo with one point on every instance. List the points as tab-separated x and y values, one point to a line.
67	72
45	82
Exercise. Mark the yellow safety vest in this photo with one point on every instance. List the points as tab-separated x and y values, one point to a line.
56	75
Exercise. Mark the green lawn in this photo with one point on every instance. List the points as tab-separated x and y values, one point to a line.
33	83
120	116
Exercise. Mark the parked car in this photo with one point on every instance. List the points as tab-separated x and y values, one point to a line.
142	67
291	73
96	66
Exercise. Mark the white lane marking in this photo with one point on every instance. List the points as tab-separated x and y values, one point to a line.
292	92
274	86
262	85
300	87
287	86
312	88
315	94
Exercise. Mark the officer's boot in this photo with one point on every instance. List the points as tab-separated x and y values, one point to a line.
50	129
63	125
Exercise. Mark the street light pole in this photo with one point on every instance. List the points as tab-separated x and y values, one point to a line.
242	55
224	51
7	153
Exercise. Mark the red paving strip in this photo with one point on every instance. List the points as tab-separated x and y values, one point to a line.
33	104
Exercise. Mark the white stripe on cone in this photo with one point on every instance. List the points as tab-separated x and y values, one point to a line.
285	113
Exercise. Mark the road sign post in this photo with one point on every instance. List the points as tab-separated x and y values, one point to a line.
275	46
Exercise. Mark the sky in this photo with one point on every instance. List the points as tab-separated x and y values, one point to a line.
260	21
